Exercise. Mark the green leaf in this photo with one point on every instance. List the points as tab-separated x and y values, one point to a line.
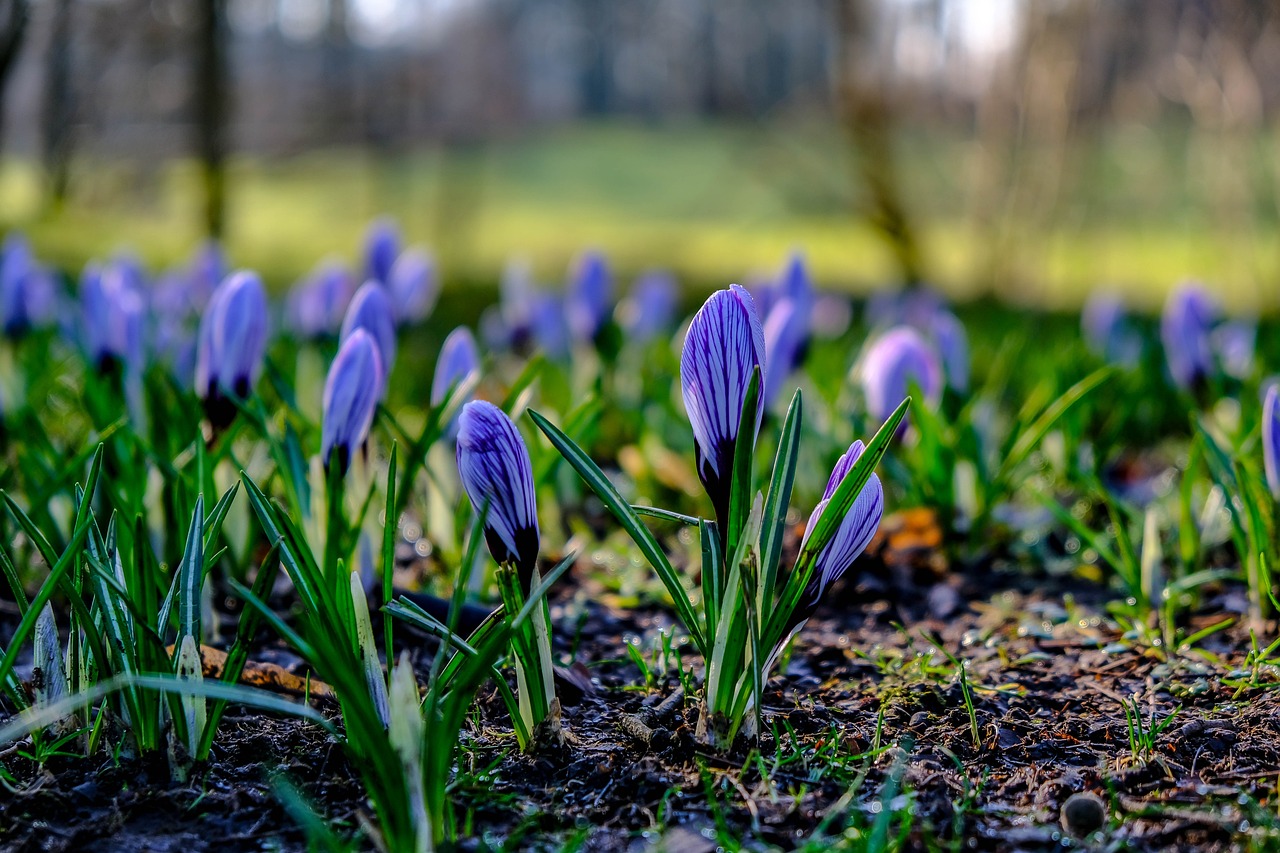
773	524
1039	428
744	448
621	510
191	576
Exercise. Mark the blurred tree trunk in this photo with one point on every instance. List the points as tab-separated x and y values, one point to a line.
14	16
211	109
867	115
58	106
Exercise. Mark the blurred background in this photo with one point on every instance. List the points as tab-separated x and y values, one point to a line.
1027	150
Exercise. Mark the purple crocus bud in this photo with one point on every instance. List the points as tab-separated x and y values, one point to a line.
381	247
854	534
1185	326
459	361
516	294
899	357
370	309
232	343
587	299
1271	438
113	314
207	268
953	345
650	309
549	326
1101	320
16	267
316	304
350	398
724	345
783	340
1234	342
851	538
494	466
413	285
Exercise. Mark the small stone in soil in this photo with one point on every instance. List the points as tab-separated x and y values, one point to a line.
1083	814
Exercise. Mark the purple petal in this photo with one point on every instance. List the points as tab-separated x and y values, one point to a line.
350	397
898	358
371	310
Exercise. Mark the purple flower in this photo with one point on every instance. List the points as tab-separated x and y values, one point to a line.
899	357
854	534
650	308
1234	342
952	343
587	299
350	398
413	285
1185	326
459	361
113	314
28	292
232	343
549	327
724	344
207	268
316	304
851	538
494	466
370	309
783	338
381	247
1271	438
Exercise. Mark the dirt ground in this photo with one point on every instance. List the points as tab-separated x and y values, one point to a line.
866	721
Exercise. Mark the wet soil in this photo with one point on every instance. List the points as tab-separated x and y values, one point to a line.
867	721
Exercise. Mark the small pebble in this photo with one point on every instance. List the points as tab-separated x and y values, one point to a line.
919	720
1083	814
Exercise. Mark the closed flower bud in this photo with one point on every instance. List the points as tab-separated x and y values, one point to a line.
587	301
853	535
233	341
414	286
724	345
897	359
113	313
494	466
459	361
949	337
370	309
316	304
1271	439
1185	329
381	247
650	309
350	398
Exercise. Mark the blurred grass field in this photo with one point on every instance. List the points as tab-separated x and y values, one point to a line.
1136	209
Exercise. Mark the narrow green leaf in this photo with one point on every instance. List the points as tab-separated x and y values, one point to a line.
621	510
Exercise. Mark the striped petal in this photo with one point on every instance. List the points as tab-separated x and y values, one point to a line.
724	344
350	398
494	466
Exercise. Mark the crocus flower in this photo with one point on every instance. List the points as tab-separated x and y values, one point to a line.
851	538
413	285
587	299
1234	342
232	343
207	268
316	304
493	464
459	361
1271	438
782	345
28	292
650	308
350	398
899	357
952	343
113	315
370	309
381	247
724	344
549	326
1185	326
1100	321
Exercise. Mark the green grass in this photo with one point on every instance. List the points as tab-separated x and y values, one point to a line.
715	202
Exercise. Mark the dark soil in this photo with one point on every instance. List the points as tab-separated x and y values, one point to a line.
866	720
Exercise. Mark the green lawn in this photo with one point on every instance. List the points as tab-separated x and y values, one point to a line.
715	203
